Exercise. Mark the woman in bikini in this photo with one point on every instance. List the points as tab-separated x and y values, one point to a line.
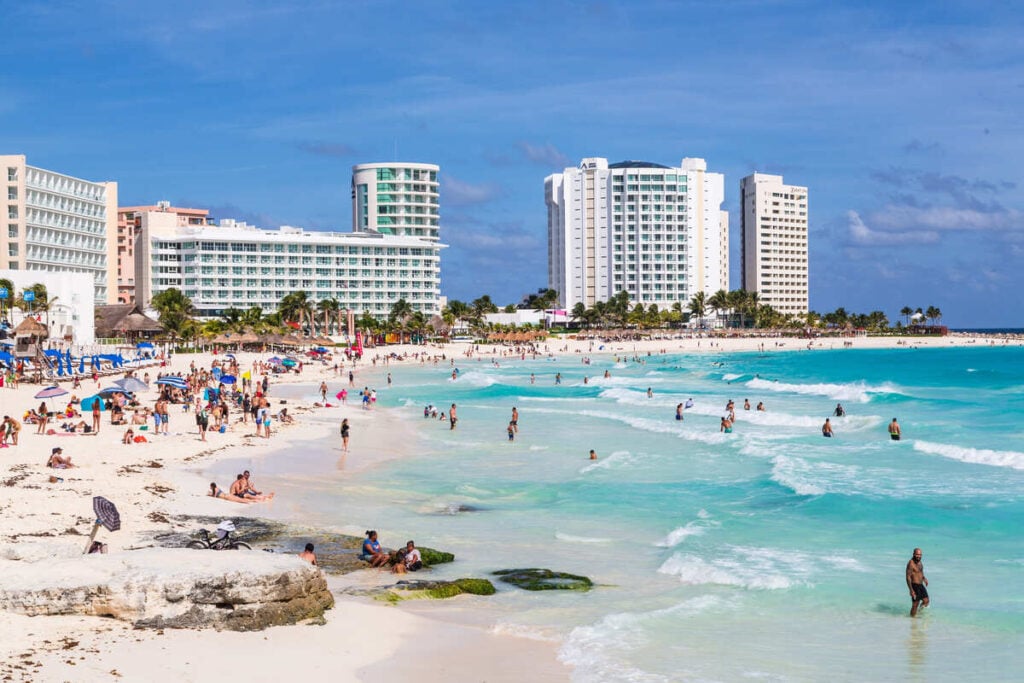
217	492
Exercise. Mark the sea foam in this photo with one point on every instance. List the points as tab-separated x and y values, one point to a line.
978	456
852	391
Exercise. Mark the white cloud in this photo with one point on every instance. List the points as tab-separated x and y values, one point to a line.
545	155
458	193
947	218
862	235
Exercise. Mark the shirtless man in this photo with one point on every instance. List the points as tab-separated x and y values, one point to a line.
308	555
514	424
452	418
323	391
826	429
917	582
894	430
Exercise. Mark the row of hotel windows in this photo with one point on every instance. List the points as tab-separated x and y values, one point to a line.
63	185
51	219
294	261
406	174
387	193
78	207
298	272
355	288
292	248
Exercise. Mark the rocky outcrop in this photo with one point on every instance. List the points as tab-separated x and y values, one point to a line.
165	588
544	580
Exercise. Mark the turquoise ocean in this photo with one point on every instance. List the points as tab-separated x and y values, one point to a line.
770	553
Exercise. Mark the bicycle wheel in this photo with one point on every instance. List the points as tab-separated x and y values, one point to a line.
197	545
239	545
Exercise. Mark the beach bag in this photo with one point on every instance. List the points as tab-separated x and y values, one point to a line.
223	428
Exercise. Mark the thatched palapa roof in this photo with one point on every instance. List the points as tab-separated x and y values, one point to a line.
30	326
117	319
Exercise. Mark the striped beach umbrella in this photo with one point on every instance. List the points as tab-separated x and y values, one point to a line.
51	392
172	381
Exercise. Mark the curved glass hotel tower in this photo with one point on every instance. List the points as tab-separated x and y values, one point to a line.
396	199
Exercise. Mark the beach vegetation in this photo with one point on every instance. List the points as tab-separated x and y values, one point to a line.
174	311
534	579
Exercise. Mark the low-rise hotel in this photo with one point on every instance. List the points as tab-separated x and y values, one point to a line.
58	223
234	265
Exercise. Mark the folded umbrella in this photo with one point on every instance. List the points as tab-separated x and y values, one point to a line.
106	516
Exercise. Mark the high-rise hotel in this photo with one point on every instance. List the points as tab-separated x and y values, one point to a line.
774	242
392	253
654	231
58	223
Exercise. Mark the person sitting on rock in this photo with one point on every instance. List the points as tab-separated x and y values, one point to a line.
372	551
413	560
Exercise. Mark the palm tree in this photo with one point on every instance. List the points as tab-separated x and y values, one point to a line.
906	312
7	286
579	311
698	306
400	312
329	309
233	319
932	314
174	310
295	306
481	307
719	301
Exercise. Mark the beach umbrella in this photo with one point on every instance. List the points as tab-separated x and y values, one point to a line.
106	516
144	345
229	355
176	382
287	362
228	379
110	391
51	392
132	384
274	360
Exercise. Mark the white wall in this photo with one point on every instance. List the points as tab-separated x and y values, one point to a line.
72	297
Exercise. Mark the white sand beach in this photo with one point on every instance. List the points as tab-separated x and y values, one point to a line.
150	482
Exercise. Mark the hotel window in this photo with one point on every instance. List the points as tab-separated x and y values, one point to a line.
12	230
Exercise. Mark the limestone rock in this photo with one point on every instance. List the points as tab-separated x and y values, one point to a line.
168	588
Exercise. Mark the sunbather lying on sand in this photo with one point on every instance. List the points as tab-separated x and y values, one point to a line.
217	492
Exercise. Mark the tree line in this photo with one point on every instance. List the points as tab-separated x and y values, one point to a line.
736	309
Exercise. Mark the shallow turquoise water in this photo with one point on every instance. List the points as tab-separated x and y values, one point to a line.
769	553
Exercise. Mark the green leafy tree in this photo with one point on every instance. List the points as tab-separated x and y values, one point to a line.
906	312
174	310
698	307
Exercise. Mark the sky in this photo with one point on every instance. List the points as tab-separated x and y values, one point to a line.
903	119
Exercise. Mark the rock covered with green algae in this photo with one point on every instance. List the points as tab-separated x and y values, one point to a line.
437	590
534	579
432	557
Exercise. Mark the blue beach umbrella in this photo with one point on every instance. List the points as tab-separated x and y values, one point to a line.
274	360
87	403
228	379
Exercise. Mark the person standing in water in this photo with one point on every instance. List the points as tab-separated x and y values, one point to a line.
514	424
452	418
894	430
826	429
593	455
344	435
679	412
917	582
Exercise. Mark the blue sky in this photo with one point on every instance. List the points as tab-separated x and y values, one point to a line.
904	119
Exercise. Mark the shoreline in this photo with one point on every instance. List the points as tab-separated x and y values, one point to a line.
154	481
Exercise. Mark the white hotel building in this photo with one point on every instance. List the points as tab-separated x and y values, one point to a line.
57	223
654	231
237	265
774	243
